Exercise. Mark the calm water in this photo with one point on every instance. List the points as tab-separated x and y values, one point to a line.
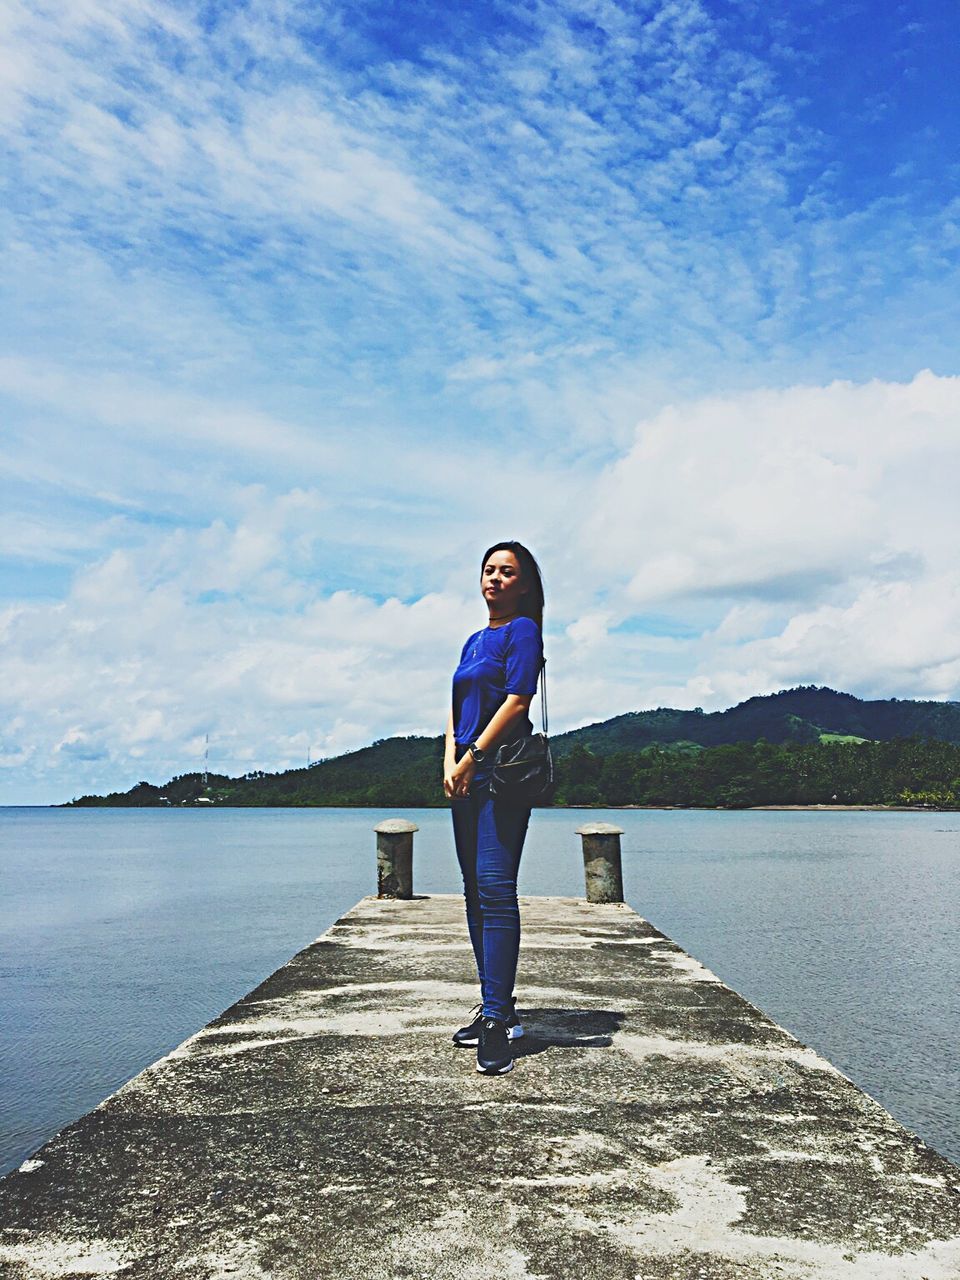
124	931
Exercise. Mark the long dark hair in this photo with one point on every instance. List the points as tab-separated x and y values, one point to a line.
532	601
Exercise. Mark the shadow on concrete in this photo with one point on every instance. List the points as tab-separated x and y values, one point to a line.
566	1029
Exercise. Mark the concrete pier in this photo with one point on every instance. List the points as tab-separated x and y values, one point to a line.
655	1126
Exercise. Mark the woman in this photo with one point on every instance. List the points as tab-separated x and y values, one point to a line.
492	690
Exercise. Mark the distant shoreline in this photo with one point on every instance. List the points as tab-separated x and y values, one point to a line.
774	808
651	808
853	808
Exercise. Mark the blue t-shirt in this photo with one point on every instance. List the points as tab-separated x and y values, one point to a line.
494	662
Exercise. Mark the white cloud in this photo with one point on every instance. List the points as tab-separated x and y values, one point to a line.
808	536
891	636
132	669
127	406
781	494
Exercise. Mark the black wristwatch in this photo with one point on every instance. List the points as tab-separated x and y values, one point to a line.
478	755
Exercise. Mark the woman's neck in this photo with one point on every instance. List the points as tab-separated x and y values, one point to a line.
501	620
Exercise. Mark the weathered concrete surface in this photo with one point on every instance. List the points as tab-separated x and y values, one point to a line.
655	1125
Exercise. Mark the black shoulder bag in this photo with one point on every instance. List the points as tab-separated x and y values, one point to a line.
523	769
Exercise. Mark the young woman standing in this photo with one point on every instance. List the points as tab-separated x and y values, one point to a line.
492	690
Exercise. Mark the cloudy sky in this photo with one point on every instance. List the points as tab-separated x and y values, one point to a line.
305	303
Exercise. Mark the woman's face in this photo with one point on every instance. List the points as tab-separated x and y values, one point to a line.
501	582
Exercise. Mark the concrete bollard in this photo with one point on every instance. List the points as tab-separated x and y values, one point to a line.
601	861
395	858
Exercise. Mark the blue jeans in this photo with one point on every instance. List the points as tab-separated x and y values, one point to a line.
489	833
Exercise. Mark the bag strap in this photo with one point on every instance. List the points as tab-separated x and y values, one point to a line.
543	694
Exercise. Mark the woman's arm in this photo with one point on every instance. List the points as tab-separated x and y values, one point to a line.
513	707
449	757
460	775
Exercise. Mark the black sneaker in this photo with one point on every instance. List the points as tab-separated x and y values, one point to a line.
493	1052
469	1036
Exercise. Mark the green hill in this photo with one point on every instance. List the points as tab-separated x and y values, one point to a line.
405	769
794	715
806	745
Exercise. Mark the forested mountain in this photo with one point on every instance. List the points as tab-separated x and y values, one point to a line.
801	746
794	715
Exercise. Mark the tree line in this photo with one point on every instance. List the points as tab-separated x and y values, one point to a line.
909	771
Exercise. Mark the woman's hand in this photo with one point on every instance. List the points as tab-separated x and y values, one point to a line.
449	757
457	777
449	764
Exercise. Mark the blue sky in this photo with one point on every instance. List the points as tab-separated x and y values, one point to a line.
304	304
